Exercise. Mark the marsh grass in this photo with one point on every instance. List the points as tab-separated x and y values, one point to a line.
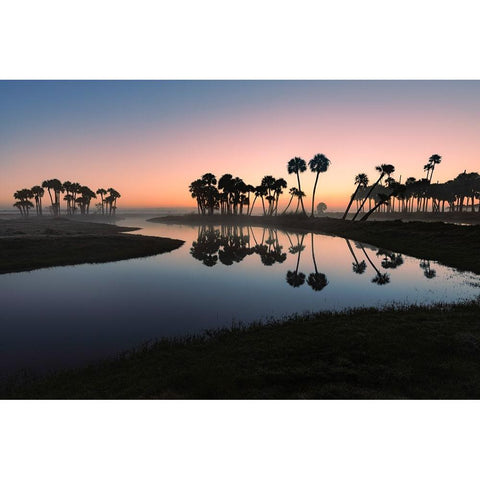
396	352
28	244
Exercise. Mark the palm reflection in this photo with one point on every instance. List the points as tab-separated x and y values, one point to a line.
228	245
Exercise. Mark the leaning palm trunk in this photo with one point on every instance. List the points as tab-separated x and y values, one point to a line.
301	198
313	193
351	201
379	204
351	250
253	204
291	198
368	196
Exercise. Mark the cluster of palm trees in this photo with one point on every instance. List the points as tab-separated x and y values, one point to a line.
232	196
414	195
77	197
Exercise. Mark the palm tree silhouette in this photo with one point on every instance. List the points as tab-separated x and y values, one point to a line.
435	159
38	193
361	180
390	259
384	169
23	203
278	187
111	200
357	267
49	186
427	270
296	278
206	247
293	193
318	281
68	197
380	278
318	164
383	200
102	192
299	194
297	165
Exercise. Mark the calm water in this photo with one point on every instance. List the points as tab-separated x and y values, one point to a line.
68	316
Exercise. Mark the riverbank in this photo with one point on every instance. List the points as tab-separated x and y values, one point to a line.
413	352
453	245
31	243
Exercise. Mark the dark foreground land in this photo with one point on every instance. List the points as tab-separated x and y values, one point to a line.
457	246
28	244
416	352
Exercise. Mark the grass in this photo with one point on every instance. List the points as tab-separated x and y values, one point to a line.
24	254
28	244
412	352
453	245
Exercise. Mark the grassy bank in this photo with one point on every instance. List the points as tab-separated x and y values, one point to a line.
28	245
453	245
415	352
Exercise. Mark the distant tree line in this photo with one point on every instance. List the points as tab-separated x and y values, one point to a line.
77	198
390	195
232	196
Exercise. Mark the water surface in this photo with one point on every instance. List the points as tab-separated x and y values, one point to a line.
68	316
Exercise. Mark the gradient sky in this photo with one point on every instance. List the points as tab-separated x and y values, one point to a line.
150	139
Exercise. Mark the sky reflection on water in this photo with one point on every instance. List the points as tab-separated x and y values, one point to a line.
65	316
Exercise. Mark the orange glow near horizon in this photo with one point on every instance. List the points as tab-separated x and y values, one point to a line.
152	165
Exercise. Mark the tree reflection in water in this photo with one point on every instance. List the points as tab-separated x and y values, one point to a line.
229	244
296	278
318	281
427	270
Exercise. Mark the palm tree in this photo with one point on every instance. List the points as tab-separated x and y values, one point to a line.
293	193
226	185
361	180
318	281
299	194
435	159
278	187
23	203
383	200
296	278
68	198
209	179
38	193
113	199
357	267
384	169
196	189
19	205
88	194
48	185
57	187
297	165
380	278
102	192
427	270
74	189
318	164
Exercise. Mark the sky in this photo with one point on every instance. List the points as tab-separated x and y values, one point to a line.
150	139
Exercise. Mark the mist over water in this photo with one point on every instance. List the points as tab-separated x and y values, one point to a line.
67	316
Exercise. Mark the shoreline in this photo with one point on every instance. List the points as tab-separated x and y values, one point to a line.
31	244
451	245
415	352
